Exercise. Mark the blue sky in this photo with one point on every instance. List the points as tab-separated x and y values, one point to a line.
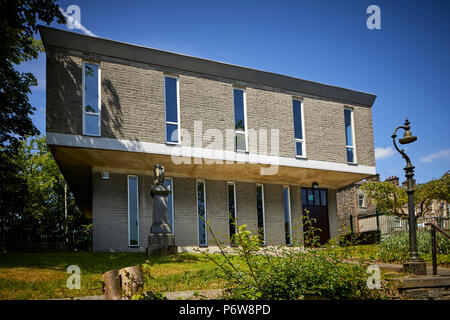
406	63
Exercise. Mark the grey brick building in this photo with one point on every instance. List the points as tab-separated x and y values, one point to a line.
233	140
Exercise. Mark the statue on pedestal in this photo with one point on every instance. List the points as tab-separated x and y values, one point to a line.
161	240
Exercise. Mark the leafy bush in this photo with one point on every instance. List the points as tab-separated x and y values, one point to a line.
255	272
396	246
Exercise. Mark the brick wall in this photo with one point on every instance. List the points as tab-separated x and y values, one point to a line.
132	100
110	211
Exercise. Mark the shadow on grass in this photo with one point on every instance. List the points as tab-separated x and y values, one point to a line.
89	262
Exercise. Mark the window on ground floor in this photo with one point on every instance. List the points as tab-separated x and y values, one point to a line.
201	212
260	212
287	215
232	208
169	183
133	212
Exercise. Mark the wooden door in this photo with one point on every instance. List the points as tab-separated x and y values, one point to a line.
315	202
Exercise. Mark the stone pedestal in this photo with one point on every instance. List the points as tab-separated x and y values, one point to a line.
415	267
160	241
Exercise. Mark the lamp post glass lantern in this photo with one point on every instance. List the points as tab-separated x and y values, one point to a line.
416	264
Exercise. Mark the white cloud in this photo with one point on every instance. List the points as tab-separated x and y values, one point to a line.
436	155
383	153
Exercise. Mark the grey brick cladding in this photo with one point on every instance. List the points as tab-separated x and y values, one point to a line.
132	107
110	206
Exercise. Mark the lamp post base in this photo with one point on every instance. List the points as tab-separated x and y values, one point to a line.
415	267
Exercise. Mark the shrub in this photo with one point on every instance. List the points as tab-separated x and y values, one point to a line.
255	272
396	246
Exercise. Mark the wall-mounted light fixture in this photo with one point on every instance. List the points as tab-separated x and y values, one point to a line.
315	185
105	175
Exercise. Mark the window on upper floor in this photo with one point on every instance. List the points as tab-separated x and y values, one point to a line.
349	135
240	119
172	109
299	135
361	200
91	99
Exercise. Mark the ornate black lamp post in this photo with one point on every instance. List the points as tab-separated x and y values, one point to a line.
415	264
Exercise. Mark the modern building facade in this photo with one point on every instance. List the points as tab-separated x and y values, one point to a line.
234	142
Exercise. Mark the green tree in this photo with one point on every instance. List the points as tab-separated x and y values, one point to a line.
41	211
392	199
18	23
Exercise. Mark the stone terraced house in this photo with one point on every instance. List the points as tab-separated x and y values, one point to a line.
235	142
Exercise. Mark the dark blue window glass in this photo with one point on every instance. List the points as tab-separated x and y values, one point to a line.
348	127
297	109
231	209
91	88
304	201
316	197
287	216
239	113
323	197
168	183
171	100
298	148
260	212
172	133
350	155
201	213
133	210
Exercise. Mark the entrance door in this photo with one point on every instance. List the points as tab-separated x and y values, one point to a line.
315	202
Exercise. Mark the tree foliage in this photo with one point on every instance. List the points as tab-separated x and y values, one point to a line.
40	212
392	199
18	23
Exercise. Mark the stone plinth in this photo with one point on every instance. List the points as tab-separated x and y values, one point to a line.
161	241
415	267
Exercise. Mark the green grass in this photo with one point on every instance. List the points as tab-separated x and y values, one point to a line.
371	252
43	275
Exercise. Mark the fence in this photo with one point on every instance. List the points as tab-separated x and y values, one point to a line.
388	224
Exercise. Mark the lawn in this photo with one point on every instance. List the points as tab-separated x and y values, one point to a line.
43	275
371	252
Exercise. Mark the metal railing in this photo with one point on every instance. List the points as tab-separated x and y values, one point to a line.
434	248
388	224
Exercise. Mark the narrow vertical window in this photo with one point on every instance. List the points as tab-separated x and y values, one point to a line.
297	108
133	212
169	183
91	99
232	208
349	139
240	124
260	212
287	216
172	109
201	211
